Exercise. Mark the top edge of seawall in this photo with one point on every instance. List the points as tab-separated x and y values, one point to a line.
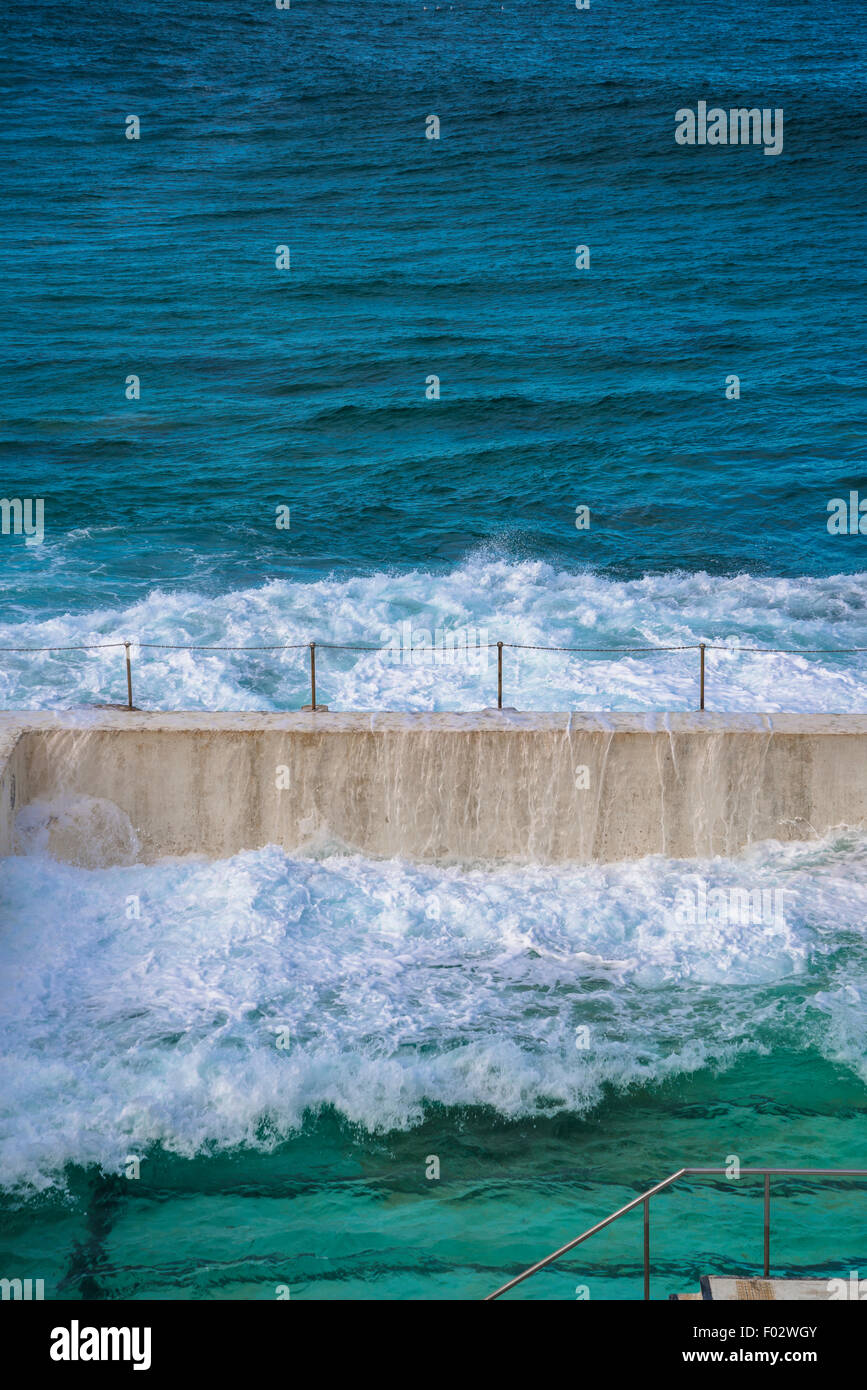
91	719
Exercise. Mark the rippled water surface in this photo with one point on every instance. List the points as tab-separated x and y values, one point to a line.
424	1013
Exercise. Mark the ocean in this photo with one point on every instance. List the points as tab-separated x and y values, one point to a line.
168	392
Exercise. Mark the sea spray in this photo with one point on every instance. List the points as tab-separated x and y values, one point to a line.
528	603
244	995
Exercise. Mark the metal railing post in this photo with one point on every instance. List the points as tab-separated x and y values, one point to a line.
644	1199
499	675
313	675
701	692
128	678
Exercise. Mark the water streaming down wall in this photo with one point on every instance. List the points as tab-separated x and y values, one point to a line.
436	787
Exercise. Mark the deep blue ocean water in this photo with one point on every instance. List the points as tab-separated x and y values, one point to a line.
305	388
412	257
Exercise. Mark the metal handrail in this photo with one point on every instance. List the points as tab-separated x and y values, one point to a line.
766	1173
700	647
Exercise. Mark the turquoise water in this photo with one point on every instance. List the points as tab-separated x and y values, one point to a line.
285	1044
427	1013
335	1215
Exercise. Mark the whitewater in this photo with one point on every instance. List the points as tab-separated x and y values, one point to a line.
204	1008
529	603
207	1007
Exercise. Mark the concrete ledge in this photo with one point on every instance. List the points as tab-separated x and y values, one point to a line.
16	722
445	788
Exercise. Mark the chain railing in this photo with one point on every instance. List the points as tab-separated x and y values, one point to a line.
701	647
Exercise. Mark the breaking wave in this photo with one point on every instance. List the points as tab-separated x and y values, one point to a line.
205	1006
485	599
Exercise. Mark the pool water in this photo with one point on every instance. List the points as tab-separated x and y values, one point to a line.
285	1045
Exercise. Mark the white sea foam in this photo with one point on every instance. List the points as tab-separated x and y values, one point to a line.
397	986
529	603
84	830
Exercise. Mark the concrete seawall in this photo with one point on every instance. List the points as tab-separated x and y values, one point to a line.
436	787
